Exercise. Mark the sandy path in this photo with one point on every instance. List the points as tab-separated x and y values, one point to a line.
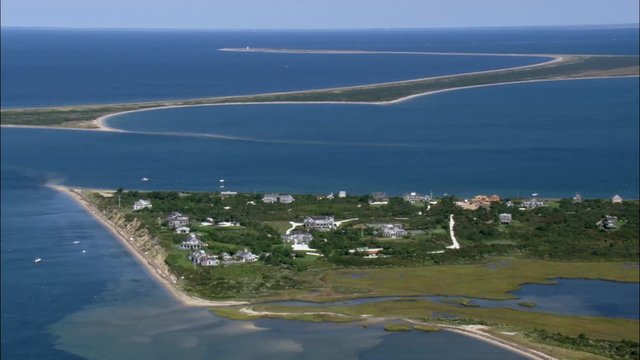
293	226
455	244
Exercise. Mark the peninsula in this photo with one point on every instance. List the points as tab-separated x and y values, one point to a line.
248	251
557	67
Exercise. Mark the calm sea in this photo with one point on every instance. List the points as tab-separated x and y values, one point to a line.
552	138
65	67
101	304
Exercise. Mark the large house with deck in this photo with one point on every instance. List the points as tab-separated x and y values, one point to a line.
192	242
321	223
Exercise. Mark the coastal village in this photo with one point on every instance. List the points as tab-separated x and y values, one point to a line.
231	246
309	234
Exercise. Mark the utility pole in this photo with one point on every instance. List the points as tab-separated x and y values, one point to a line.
119	201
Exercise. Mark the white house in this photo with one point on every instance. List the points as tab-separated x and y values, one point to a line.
183	230
505	218
286	199
142	204
342	194
616	199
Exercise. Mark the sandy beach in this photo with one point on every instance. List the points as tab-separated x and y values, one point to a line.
163	278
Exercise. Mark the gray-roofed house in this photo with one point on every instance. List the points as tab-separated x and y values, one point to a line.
191	242
392	231
505	218
299	238
201	258
415	198
322	223
246	256
176	220
270	198
142	204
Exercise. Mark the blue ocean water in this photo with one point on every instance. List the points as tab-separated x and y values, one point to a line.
101	302
63	67
511	140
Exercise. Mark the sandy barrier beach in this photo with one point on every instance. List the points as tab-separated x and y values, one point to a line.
166	280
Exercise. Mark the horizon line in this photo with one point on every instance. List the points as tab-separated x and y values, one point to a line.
480	27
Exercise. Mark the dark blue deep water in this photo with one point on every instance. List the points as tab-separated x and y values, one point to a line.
63	67
552	138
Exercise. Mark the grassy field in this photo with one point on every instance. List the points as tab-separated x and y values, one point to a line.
493	280
568	67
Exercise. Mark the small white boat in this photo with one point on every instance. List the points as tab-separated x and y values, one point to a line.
221	180
84	251
76	242
144	179
37	260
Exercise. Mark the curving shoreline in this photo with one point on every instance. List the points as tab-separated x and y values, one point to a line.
101	123
163	278
558	67
473	331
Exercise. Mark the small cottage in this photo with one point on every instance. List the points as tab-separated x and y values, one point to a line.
183	230
505	218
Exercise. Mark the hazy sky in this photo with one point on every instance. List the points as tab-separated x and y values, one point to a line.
305	14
